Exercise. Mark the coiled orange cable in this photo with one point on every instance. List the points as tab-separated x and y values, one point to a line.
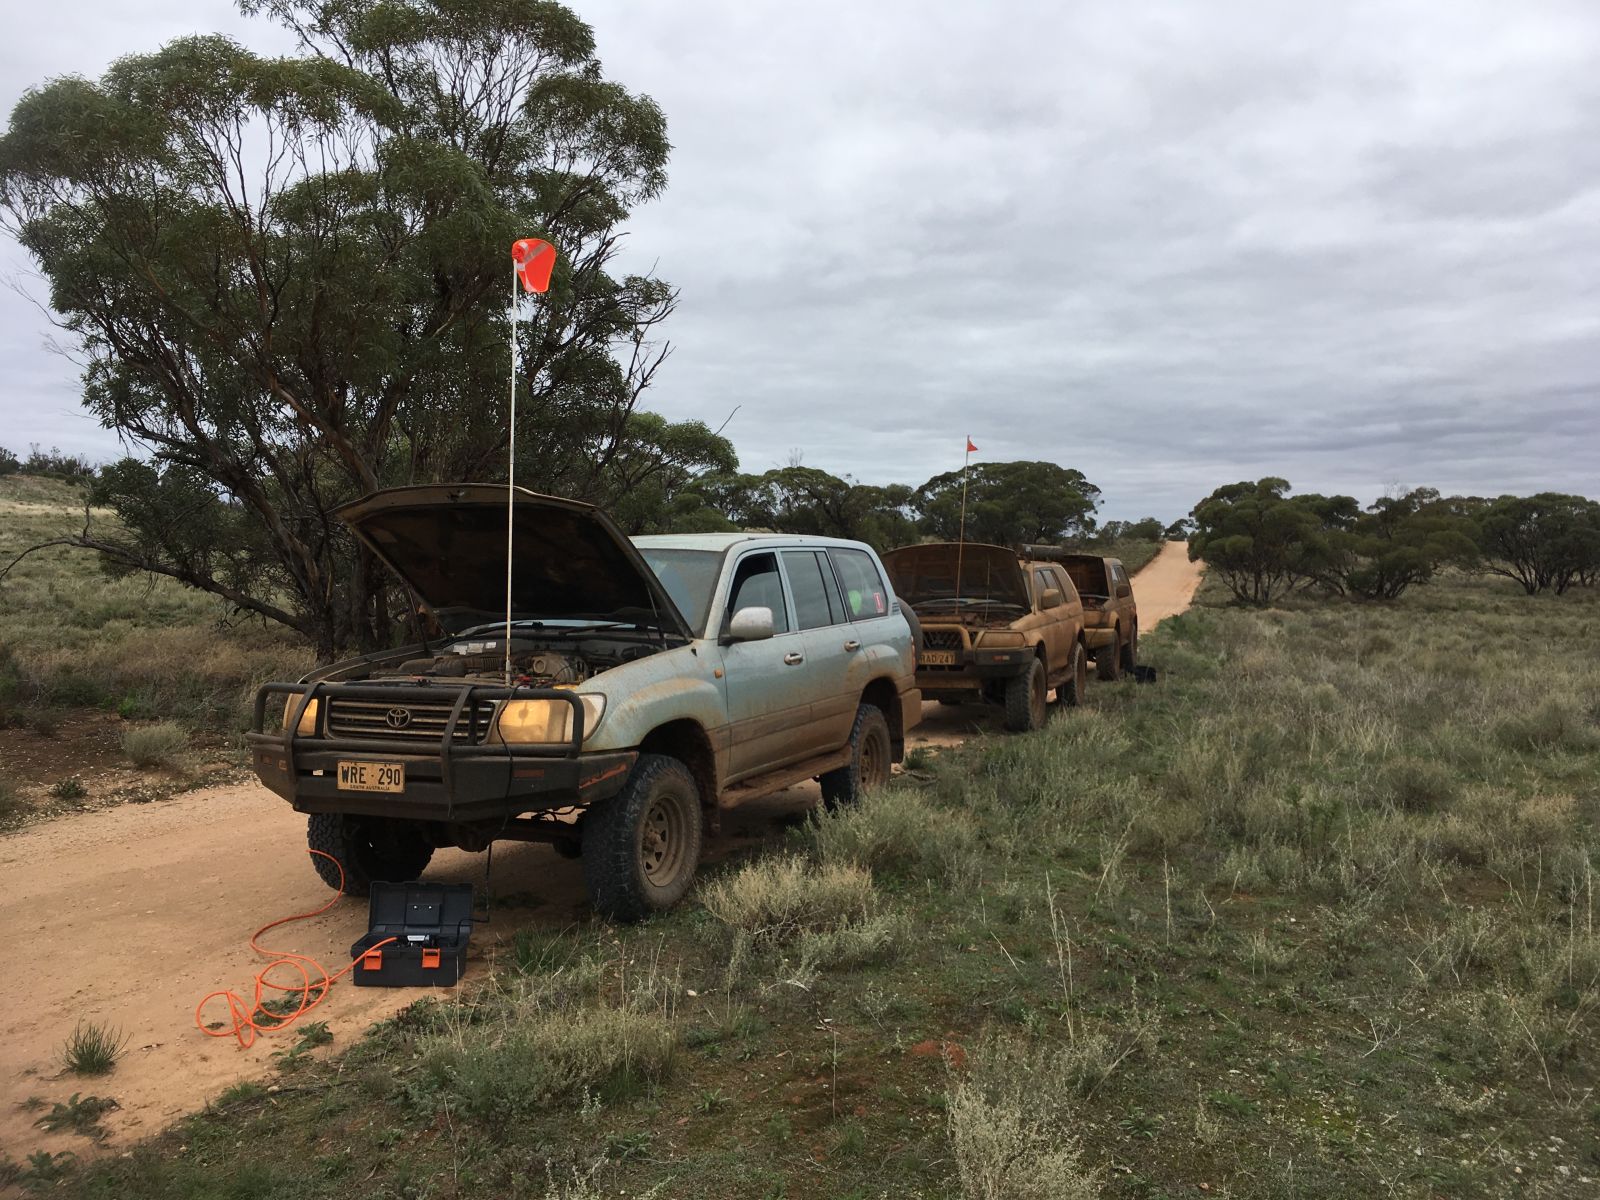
313	986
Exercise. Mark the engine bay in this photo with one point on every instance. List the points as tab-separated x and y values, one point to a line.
542	663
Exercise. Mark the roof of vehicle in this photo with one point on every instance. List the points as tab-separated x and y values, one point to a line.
723	541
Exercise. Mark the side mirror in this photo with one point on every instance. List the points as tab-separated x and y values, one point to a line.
1051	598
753	624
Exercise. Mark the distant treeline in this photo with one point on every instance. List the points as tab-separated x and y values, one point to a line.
51	463
1263	542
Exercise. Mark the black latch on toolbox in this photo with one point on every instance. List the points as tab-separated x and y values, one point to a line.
429	924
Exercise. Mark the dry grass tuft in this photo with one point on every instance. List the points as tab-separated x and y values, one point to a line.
1010	1127
776	900
152	746
898	831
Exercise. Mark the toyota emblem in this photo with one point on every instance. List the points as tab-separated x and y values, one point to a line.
397	718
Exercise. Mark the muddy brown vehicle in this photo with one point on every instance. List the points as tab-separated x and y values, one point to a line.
1110	614
995	627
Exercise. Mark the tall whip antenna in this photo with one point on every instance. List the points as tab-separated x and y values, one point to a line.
961	538
531	263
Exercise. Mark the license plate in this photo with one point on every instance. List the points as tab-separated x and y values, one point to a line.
358	776
939	658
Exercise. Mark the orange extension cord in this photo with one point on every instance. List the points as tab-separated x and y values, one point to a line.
313	986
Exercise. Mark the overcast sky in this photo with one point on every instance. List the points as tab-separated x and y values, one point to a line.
1172	245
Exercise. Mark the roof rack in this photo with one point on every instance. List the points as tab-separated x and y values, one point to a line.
1049	553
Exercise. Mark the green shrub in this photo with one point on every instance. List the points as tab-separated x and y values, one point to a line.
1556	724
1418	785
499	1073
158	745
92	1049
68	789
80	1114
896	831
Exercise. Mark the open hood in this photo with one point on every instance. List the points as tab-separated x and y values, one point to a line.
928	573
448	543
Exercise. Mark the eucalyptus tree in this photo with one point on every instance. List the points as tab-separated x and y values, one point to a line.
287	281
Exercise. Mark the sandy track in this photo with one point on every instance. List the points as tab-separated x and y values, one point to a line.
1165	586
128	916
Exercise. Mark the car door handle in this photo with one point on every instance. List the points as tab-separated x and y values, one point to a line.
852	645
794	659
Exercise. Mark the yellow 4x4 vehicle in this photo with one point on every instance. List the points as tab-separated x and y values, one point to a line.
995	627
1110	614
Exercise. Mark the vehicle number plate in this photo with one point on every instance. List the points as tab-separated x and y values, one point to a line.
359	776
939	658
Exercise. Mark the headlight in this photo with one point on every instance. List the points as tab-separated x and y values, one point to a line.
991	638
545	722
308	719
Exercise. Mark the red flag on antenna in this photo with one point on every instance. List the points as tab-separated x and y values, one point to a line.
535	260
970	447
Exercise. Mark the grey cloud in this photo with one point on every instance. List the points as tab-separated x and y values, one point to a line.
1171	245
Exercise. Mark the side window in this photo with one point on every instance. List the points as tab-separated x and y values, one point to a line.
1117	574
756	584
1043	581
1069	590
865	596
816	598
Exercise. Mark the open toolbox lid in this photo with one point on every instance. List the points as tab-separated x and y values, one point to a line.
411	912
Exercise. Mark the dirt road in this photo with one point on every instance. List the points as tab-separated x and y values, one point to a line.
129	916
1166	585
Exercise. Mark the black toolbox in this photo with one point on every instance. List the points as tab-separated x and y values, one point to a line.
430	924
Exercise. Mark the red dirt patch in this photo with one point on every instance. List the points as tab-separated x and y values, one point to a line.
943	1048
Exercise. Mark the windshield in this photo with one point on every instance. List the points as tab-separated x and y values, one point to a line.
690	577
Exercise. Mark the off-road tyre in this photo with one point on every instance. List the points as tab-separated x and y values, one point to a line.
1071	693
871	756
1130	652
1027	699
642	846
370	849
1108	660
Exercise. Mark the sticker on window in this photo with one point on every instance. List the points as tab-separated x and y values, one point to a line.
877	599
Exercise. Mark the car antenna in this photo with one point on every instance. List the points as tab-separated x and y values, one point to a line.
961	537
532	261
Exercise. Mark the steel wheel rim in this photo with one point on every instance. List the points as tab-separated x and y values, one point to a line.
662	841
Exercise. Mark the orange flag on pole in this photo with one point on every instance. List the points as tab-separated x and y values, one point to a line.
535	260
970	447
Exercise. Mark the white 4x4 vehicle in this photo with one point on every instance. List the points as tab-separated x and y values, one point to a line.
654	683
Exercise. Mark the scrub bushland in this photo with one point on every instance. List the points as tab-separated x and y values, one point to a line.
1313	916
141	646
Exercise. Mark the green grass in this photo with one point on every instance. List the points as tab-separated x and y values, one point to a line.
92	1049
1314	916
77	637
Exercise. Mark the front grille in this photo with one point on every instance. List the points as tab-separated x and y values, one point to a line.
425	721
943	639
